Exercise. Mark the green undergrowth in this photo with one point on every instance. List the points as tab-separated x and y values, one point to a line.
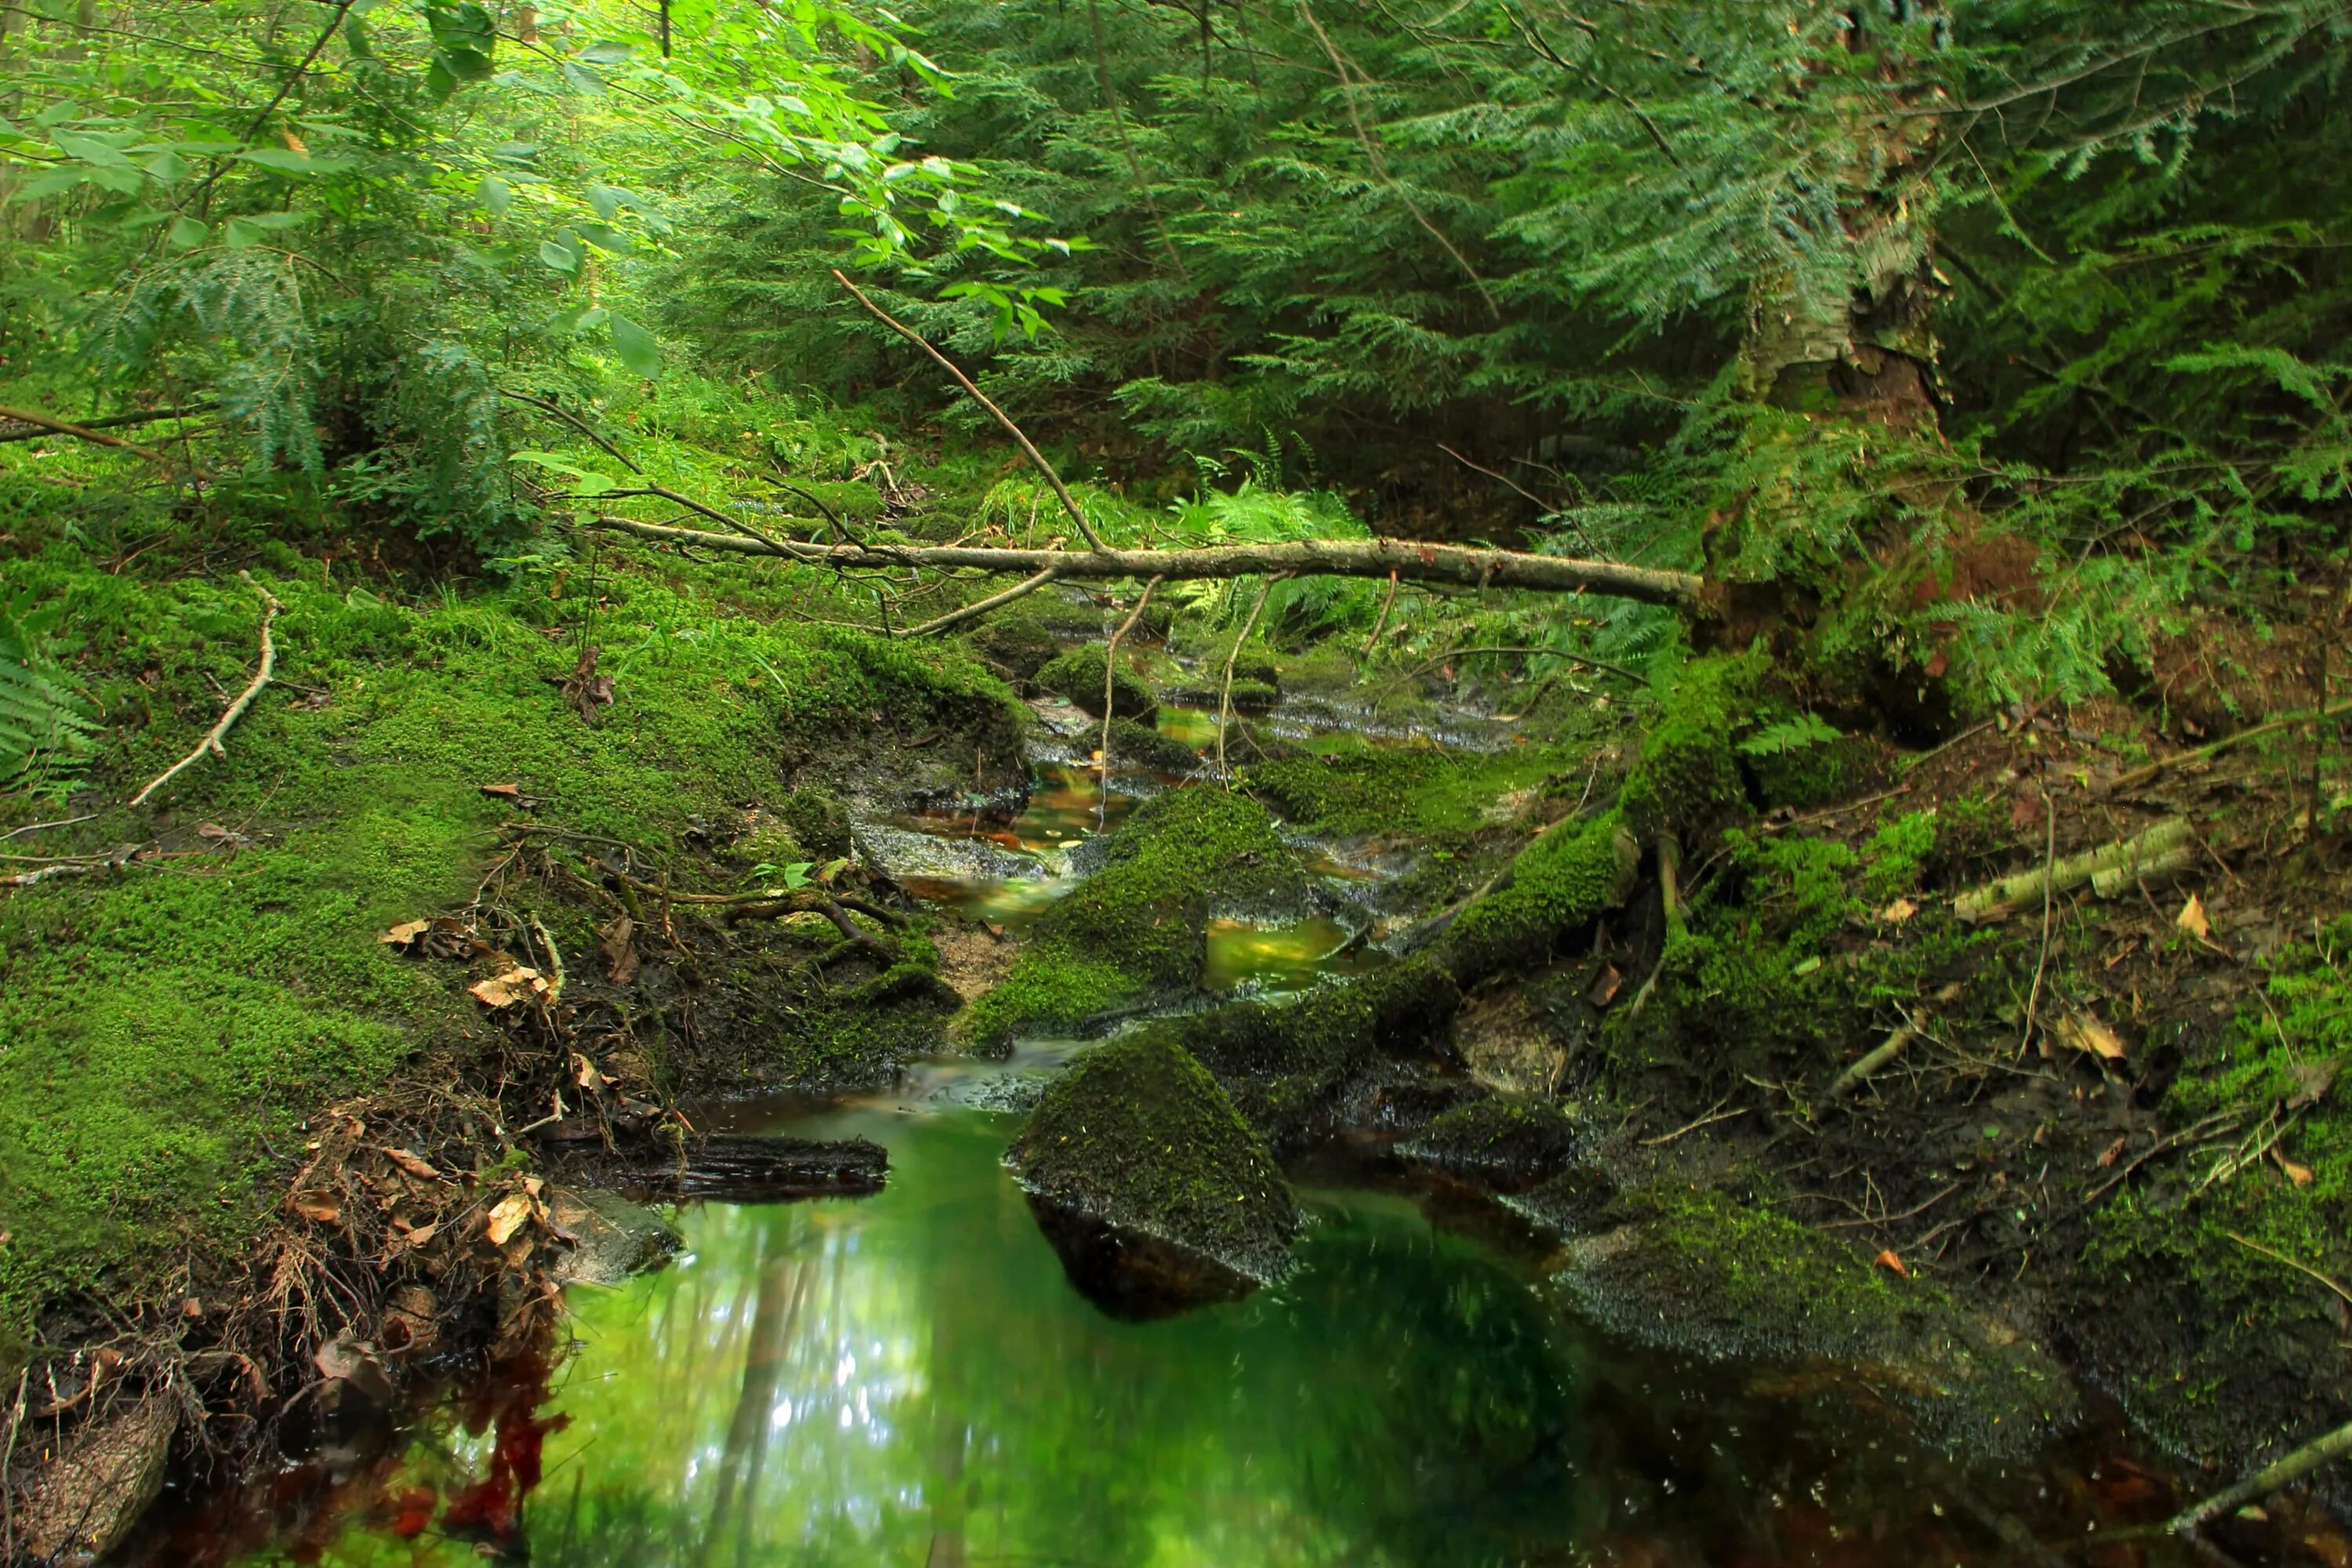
1136	1133
1573	874
1139	923
2235	1253
167	1026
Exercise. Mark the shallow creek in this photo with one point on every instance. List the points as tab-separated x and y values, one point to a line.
911	1378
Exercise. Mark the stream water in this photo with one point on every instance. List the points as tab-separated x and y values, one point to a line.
912	1379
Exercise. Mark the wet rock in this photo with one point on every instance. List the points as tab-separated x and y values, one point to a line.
1139	745
1130	1276
1076	677
907	855
81	1504
1019	648
746	1169
1137	1135
1506	1140
611	1238
1574	1201
1508	1044
997	805
1702	1273
818	820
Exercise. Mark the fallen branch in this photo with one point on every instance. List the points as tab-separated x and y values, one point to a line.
44	427
2337	1445
979	607
1069	504
212	741
1875	1060
2163	848
1406	559
2141	776
89	432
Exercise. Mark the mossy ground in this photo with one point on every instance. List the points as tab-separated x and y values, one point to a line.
1139	925
169	1024
1136	1133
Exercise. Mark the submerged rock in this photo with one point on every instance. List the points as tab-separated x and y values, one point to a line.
1076	677
1703	1273
748	1169
1138	1136
905	854
611	1238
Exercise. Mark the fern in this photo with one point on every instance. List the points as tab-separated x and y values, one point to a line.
1788	735
46	735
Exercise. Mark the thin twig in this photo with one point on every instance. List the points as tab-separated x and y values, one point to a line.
978	608
1069	504
1225	689
212	741
2291	1263
1708	1120
544	406
2048	883
1110	683
88	432
37	827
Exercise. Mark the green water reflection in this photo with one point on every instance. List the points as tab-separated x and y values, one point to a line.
1277	958
909	1379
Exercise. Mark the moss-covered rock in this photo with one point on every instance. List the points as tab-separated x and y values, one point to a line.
1076	677
1139	925
1138	1134
1020	647
819	821
1139	745
1573	874
1511	1140
1252	696
1701	1272
1286	1060
1807	776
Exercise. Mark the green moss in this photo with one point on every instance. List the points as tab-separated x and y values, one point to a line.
1252	696
1138	1133
1020	647
1439	796
1510	1137
2247	1321
1809	777
1284	1059
168	1025
1899	854
1076	677
1139	924
818	820
1565	878
1689	780
1702	1271
1139	745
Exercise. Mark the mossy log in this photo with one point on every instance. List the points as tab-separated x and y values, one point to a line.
2167	847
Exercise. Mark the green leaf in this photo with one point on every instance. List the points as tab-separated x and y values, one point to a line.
186	233
637	347
238	234
497	194
90	150
564	259
584	481
286	160
605	52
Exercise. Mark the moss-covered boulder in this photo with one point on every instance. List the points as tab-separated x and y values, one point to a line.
1704	1273
818	820
1252	696
1285	1061
1568	877
1076	677
1018	646
1138	1134
1138	926
1509	1139
1689	781
1140	745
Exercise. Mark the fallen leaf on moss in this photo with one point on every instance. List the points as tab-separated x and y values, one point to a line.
416	1164
2192	918
517	985
1896	914
1605	986
2084	1032
2112	1153
318	1207
503	791
618	945
2299	1174
404	934
1892	1264
508	1216
2312	1082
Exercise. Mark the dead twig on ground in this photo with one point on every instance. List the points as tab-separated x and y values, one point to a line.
2166	846
212	741
1225	688
2041	962
1110	681
2278	1257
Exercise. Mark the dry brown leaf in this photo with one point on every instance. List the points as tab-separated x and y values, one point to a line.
404	934
416	1164
2112	1153
2191	918
2312	1082
1896	914
323	1208
2299	1174
509	1217
347	1360
618	945
1605	986
517	985
1892	1264
584	1074
2084	1032
503	791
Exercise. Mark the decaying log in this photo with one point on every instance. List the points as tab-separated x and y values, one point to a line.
1412	562
2161	850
